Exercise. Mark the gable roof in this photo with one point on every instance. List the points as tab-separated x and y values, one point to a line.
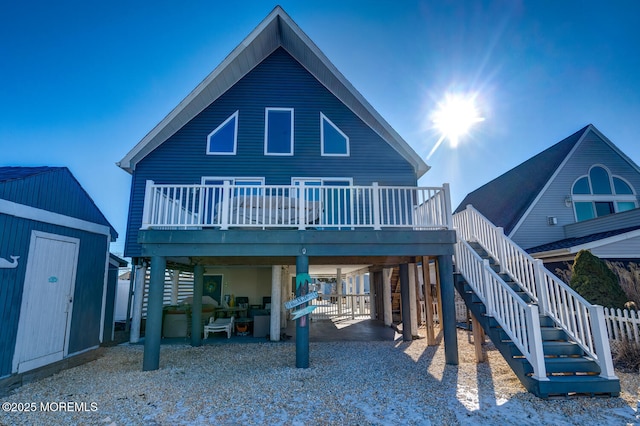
80	205
276	30
505	199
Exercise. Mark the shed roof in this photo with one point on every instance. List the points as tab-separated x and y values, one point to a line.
10	173
276	30
43	189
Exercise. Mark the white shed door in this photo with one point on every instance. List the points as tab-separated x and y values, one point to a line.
45	315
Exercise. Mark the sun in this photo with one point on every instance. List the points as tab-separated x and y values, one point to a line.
455	115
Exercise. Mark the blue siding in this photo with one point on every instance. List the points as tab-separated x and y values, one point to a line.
56	190
279	81
85	322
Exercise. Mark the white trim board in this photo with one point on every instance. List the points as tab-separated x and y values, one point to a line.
40	215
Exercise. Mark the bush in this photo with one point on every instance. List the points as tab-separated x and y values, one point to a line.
594	281
627	357
629	278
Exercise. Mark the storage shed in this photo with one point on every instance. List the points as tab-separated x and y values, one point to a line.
54	258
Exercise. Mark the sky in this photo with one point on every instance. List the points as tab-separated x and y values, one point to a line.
82	82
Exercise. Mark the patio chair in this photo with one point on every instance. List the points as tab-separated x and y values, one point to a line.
217	325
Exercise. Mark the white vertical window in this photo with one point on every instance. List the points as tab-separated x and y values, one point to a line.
333	141
278	131
224	139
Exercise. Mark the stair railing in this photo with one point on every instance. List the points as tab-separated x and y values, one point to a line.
520	321
581	320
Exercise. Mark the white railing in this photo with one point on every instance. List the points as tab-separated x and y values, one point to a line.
352	306
623	325
582	321
272	206
519	320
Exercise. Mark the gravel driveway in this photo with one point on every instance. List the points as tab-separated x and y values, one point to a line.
348	383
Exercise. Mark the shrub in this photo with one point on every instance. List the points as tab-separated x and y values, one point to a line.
627	357
594	281
629	278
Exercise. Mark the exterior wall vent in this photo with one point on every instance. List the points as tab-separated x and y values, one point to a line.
552	220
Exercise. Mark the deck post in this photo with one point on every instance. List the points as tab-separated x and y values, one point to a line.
407	332
196	306
413	298
153	329
375	191
478	339
302	323
448	312
339	289
175	282
276	302
138	296
386	296
148	202
428	301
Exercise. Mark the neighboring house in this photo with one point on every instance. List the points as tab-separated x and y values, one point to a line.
54	254
581	193
275	159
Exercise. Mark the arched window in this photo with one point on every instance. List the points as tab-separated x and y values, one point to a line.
599	194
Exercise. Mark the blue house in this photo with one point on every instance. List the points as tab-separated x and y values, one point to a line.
54	255
276	160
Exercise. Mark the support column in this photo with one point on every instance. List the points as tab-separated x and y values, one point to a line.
276	302
386	296
448	313
302	323
413	309
175	281
374	293
196	307
428	300
339	289
407	333
285	291
138	298
153	329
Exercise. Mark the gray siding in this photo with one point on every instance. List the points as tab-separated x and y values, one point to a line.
279	81
592	150
87	306
622	220
625	249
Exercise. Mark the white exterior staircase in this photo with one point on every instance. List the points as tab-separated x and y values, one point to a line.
554	340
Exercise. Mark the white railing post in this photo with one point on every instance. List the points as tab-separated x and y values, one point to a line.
541	288
535	343
448	215
375	191
148	203
301	207
487	288
601	341
502	255
226	204
470	223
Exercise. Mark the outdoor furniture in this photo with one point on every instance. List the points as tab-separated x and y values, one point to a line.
242	326
217	325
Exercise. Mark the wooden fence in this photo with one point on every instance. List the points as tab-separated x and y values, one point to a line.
622	325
